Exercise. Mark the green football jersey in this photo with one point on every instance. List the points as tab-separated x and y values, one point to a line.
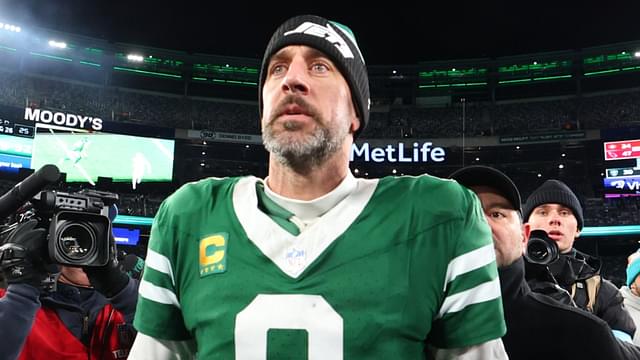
399	263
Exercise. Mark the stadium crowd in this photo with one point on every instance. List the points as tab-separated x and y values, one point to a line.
480	118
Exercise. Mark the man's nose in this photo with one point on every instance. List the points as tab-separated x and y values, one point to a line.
555	219
296	79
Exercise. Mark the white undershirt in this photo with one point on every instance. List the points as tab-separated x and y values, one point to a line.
307	212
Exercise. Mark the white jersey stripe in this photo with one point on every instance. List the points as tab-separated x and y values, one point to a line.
158	294
470	261
484	292
160	263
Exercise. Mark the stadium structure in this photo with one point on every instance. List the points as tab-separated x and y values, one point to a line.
573	115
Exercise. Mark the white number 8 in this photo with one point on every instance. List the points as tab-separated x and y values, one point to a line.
302	312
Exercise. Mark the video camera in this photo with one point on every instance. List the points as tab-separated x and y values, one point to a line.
541	249
79	224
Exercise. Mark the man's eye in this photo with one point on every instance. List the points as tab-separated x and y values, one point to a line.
319	67
277	69
496	215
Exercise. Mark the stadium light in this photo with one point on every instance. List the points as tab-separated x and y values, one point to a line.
10	27
637	54
58	44
135	58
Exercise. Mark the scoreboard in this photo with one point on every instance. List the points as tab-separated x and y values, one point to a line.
16	140
619	150
623	178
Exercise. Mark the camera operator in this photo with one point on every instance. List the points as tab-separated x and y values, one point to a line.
554	208
538	327
88	316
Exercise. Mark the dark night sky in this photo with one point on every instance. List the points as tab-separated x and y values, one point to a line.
401	32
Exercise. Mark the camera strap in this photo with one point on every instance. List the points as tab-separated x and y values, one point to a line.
589	288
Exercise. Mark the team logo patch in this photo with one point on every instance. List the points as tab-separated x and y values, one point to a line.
213	254
296	258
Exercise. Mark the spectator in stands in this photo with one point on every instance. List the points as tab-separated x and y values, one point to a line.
89	315
538	327
631	292
367	268
554	208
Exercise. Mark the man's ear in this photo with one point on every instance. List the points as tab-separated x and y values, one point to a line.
578	233
526	228
355	124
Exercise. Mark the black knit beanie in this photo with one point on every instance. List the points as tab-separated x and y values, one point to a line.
334	40
554	192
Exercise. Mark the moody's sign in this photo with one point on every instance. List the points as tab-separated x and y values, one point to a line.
400	152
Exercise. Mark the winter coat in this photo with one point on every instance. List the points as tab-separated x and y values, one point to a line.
539	327
576	268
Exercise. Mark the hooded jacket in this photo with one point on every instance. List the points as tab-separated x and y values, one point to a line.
539	327
576	267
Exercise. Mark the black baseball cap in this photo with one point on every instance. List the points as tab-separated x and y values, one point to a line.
479	175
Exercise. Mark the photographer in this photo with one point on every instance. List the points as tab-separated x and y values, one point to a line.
554	208
88	316
538	327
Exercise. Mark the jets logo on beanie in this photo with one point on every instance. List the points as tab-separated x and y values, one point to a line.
553	192
337	42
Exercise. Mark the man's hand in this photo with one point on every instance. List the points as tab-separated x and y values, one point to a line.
23	257
109	279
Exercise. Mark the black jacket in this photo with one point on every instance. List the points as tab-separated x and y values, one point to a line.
576	267
539	327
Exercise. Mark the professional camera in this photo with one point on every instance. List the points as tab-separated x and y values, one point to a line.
79	224
541	249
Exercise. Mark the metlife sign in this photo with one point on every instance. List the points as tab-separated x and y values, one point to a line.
398	153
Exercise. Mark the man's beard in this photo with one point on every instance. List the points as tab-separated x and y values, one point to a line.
304	152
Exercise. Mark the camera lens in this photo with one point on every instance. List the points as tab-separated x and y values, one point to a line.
541	249
538	249
76	241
